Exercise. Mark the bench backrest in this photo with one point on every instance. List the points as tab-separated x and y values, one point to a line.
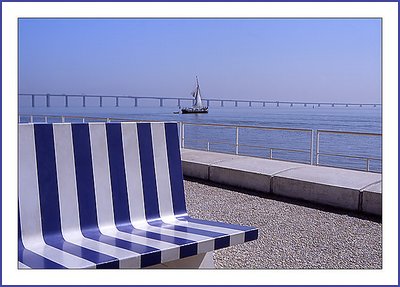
97	173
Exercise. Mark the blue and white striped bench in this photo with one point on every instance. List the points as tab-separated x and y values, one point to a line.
108	195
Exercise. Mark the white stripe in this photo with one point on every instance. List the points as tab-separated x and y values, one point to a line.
29	203
131	259
28	186
162	171
101	174
22	266
65	162
174	233
68	198
237	236
205	226
103	193
133	173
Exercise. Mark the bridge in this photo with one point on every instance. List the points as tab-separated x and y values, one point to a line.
179	100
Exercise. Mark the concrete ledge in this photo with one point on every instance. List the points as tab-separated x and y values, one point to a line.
240	178
372	199
349	189
332	186
197	163
315	192
197	170
248	172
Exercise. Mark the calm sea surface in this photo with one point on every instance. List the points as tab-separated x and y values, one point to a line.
285	145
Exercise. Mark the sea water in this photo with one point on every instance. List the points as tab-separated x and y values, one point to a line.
283	144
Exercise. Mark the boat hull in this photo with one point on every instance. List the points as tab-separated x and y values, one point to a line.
203	110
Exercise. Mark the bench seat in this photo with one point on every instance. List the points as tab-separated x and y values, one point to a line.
108	195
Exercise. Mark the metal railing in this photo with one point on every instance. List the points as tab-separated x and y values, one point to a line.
313	137
237	145
367	159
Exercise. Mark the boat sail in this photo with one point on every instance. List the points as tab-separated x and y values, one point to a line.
198	105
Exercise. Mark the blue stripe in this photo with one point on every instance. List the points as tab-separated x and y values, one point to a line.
148	173
251	235
34	260
150	259
49	199
86	193
175	168
119	188
117	173
109	265
47	179
84	176
128	228
59	242
188	250
124	244
221	239
222	242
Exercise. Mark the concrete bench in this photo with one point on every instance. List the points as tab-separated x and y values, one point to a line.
109	195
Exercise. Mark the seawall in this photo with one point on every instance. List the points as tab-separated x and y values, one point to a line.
349	189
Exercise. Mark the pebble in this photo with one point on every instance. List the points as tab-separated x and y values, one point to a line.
292	234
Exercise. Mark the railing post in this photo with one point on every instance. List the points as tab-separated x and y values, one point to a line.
47	100
33	101
161	102
101	101
237	141
116	101
317	149
136	102
367	164
236	103
45	119
179	102
63	119
66	101
83	101
312	148
31	119
222	103
270	153
208	146
182	135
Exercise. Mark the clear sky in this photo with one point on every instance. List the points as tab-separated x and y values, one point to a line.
266	59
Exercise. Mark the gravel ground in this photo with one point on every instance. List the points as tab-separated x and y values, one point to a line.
292	234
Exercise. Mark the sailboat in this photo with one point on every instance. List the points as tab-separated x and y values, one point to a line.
198	106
